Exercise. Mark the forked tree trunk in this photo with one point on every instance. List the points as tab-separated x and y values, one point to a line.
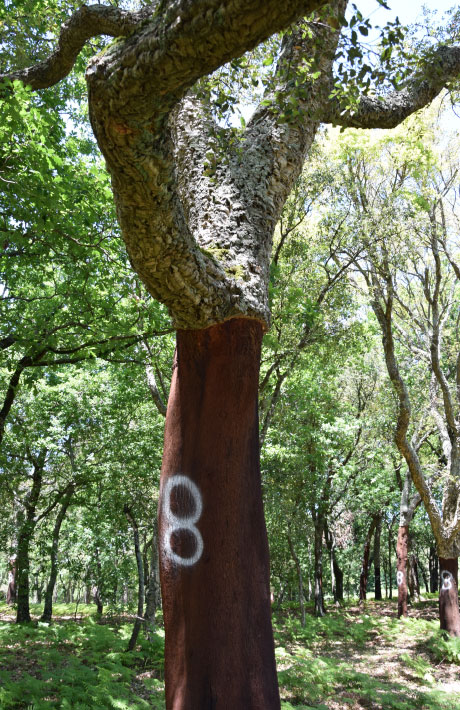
449	615
214	562
402	551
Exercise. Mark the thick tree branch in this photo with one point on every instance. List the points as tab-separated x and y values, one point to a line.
87	22
419	91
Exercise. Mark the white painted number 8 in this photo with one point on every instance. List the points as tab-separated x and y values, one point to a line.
399	577
175	522
447	579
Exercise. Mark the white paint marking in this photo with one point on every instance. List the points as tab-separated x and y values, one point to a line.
175	522
446	579
399	577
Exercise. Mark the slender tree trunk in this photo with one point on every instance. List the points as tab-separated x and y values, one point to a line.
422	569
319	596
365	564
299	579
336	570
434	570
449	614
97	587
11	594
390	564
48	608
377	536
402	552
151	598
385	577
23	567
140	576
214	562
413	580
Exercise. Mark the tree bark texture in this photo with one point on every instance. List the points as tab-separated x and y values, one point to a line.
402	553
214	562
449	615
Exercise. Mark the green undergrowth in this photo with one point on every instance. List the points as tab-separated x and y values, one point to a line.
82	664
325	663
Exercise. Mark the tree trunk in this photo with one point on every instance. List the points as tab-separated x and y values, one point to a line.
422	569
413	580
390	564
23	564
11	592
365	565
402	551
48	608
319	597
97	587
336	570
449	614
214	564
434	569
151	598
377	535
140	576
299	579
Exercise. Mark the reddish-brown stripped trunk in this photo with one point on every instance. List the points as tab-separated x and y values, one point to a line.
449	614
402	551
213	546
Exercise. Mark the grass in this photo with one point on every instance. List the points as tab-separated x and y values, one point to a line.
352	659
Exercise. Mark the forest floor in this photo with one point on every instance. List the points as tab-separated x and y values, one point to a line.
355	658
362	658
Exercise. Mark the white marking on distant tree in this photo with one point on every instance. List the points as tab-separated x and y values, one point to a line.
446	580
